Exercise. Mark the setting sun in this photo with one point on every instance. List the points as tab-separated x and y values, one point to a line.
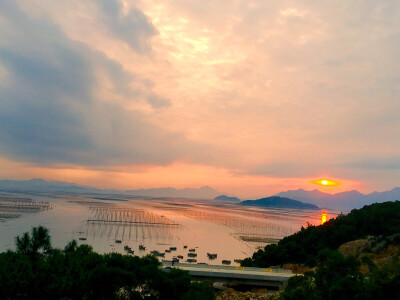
326	182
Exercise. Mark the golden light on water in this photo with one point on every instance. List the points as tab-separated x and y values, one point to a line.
324	217
326	182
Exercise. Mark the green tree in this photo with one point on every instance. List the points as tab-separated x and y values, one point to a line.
38	242
37	271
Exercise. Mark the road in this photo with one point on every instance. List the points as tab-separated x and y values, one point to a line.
239	275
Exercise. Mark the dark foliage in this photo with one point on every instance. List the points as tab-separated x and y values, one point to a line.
36	271
381	219
339	278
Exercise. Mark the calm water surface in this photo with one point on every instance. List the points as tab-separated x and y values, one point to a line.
230	230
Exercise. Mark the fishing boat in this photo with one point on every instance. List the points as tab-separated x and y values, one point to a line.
226	262
128	249
191	260
192	254
192	250
168	251
118	241
212	255
141	247
82	239
172	248
184	247
239	261
180	256
156	253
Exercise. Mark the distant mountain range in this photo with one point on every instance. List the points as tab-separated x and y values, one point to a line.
227	198
40	185
204	192
344	200
279	202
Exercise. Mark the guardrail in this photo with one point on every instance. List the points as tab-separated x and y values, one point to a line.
221	267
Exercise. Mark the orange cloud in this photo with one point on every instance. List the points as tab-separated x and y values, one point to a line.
178	175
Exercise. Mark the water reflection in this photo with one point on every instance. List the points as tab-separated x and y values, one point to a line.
128	232
14	207
245	225
254	226
127	224
323	217
104	214
232	231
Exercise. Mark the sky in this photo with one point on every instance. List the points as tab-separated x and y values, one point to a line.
248	97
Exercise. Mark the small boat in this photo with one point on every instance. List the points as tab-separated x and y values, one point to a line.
82	239
172	248
226	262
184	247
175	260
129	249
239	261
118	241
156	253
180	256
192	254
212	255
141	247
191	260
168	251
192	250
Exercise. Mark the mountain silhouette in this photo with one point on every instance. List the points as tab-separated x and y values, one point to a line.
279	202
344	200
40	185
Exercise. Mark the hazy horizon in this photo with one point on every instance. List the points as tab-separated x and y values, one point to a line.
199	188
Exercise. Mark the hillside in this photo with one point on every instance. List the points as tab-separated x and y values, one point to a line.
227	198
354	256
381	219
279	202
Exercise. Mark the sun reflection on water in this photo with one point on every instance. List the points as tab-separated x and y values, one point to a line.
324	217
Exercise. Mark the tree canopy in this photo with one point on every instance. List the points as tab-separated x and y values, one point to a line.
37	271
379	219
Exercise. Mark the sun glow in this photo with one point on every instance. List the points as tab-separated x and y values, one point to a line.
324	217
326	182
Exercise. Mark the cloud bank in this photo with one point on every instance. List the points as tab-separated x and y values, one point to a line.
50	108
273	92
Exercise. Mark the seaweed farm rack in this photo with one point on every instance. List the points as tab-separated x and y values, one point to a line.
103	214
